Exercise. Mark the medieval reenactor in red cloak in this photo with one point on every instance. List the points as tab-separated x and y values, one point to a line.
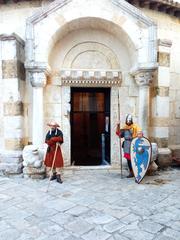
128	132
54	139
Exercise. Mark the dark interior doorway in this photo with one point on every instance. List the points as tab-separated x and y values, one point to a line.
90	126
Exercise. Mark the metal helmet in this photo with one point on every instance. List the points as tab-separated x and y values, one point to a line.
129	119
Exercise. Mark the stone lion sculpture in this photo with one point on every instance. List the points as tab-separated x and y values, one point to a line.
33	157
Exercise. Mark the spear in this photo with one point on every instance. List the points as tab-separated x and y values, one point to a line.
120	149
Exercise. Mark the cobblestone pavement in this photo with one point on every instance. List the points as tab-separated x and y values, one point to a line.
91	205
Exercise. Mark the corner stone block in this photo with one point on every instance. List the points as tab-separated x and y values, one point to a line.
164	157
175	151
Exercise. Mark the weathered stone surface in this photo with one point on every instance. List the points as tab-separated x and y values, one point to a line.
79	227
61	213
164	157
21	70
78	210
14	144
162	91
154	151
49	227
177	109
8	155
114	226
150	226
161	142
10	168
171	233
13	108
175	154
96	234
138	234
9	69
33	157
34	173
32	170
9	234
10	162
152	169
160	121
164	59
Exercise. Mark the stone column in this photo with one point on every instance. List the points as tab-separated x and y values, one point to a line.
144	78
38	82
12	96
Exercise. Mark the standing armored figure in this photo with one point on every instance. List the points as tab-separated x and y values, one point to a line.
128	132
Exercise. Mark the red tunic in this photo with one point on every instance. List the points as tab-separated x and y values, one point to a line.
51	151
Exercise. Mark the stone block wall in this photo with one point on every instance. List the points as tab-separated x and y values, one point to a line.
169	27
13	86
160	96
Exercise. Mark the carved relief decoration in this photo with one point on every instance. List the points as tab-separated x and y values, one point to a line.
90	78
144	77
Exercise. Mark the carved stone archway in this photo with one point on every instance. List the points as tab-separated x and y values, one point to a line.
125	22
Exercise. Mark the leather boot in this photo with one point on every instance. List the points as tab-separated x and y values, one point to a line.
53	177
58	177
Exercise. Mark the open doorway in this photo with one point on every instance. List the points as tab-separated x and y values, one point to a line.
90	126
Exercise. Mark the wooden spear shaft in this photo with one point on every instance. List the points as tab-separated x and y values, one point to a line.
120	148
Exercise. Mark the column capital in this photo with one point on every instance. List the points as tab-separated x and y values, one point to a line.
37	75
38	79
144	76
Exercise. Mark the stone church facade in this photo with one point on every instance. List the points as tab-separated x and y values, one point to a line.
48	49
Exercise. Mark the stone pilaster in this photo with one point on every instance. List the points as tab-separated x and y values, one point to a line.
13	82
144	78
160	100
64	121
115	118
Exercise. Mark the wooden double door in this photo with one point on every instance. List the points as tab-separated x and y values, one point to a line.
90	126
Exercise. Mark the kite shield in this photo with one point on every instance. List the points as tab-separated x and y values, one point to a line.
141	152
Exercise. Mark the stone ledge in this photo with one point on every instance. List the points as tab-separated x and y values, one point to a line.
10	162
164	157
10	168
10	154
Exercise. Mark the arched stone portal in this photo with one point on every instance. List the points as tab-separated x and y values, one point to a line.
89	44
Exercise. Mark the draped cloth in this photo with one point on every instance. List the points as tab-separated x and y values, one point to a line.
53	137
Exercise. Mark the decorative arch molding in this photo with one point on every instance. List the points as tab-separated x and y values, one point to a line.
138	28
85	47
57	20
